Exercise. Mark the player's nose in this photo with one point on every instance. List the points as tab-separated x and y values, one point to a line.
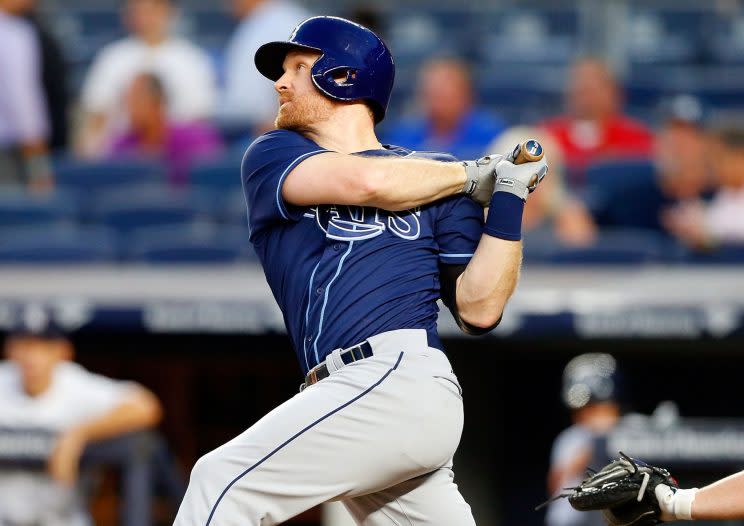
282	83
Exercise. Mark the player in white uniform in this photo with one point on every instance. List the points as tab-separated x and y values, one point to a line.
51	408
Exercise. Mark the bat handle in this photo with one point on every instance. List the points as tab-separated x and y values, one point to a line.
527	152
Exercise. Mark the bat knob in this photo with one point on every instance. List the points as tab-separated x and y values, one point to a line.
528	151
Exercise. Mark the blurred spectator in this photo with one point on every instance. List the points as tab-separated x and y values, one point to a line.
635	194
449	121
24	120
185	70
249	100
703	226
52	408
151	134
590	390
54	78
681	158
680	152
551	210
593	127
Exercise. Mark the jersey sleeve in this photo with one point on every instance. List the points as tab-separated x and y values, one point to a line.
266	164
458	230
93	395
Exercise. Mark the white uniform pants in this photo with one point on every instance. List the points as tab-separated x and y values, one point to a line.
378	434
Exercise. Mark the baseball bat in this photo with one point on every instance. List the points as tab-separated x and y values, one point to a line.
527	152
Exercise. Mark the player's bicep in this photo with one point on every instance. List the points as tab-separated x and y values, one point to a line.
328	178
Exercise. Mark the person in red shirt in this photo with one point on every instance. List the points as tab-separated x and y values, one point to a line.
593	127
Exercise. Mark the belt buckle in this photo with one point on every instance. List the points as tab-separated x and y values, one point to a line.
312	377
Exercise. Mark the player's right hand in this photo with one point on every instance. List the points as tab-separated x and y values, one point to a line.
481	178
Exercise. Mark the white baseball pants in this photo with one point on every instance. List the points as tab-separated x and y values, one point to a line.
378	434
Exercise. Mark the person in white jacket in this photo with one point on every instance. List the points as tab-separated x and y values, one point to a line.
185	70
51	410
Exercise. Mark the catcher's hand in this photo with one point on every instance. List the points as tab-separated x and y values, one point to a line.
625	491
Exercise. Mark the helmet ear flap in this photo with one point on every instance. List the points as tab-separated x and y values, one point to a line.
339	82
341	76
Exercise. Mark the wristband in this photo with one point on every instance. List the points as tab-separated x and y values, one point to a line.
504	219
683	499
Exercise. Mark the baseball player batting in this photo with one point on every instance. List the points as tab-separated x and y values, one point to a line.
358	241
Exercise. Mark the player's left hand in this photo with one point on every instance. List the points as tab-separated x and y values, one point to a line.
64	462
519	179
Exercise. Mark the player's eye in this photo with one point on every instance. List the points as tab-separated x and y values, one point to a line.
301	66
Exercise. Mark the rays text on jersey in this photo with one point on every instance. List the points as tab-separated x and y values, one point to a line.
356	223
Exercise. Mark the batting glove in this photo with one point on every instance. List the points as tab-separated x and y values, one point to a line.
519	179
675	504
481	178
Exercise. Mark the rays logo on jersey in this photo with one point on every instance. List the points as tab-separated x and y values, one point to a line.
356	223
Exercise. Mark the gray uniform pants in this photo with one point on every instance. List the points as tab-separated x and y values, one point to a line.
378	434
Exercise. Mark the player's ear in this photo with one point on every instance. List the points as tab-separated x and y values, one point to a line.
66	350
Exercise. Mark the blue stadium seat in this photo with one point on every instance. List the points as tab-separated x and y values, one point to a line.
201	200
664	36
221	173
549	35
624	194
63	245
725	42
414	36
21	208
722	255
233	209
209	28
125	211
195	243
517	97
613	247
87	175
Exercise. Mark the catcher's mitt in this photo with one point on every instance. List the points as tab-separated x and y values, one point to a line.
623	490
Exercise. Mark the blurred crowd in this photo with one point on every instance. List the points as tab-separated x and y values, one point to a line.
154	95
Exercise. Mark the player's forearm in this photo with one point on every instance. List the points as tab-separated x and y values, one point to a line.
401	184
720	500
488	281
140	411
388	183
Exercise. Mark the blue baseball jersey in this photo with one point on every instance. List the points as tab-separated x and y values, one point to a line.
341	274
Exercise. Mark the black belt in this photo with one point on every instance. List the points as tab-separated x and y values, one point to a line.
350	355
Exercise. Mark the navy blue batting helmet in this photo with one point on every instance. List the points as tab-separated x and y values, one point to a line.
590	378
348	51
